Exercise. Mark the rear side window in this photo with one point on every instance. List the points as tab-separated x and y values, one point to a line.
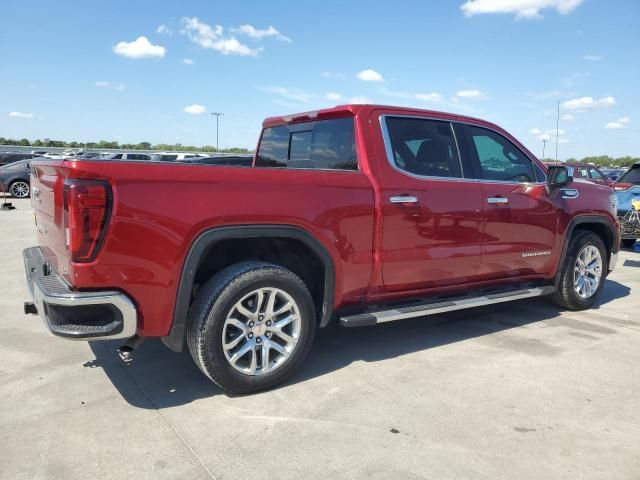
500	159
326	145
423	147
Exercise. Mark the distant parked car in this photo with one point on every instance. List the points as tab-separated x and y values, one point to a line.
55	156
237	160
10	157
614	174
588	172
125	156
88	155
38	152
15	178
174	156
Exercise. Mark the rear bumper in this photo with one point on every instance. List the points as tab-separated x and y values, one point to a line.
102	315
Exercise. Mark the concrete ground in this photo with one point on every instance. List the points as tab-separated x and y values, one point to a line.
517	391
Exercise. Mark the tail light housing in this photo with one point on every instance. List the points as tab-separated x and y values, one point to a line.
619	187
87	207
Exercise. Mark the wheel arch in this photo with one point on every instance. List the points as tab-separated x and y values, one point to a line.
206	243
598	224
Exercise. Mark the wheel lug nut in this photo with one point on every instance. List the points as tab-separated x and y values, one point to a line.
268	323
260	317
268	334
251	324
258	340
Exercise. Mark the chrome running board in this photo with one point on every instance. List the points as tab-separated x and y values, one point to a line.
441	305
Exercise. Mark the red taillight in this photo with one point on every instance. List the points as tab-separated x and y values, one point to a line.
622	186
86	205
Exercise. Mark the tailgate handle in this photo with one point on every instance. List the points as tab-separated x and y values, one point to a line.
497	200
36	192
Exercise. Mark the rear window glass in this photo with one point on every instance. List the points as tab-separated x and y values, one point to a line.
326	144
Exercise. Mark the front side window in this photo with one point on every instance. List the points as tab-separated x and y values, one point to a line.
325	144
500	159
423	147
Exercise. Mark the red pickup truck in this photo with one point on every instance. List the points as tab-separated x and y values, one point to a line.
359	214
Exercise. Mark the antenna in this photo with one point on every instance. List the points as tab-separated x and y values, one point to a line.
557	129
544	144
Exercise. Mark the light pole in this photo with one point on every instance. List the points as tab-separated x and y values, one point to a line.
544	144
217	114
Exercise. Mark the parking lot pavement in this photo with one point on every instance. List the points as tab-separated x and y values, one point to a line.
517	391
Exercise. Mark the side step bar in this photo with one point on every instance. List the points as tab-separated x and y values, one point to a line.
441	305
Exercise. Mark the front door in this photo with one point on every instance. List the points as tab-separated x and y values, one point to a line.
521	218
432	215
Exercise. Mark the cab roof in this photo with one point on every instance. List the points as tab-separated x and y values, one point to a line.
353	109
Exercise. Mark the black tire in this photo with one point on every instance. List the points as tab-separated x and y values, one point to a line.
20	189
628	242
566	296
216	299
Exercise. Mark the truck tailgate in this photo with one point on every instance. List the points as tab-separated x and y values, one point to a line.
47	183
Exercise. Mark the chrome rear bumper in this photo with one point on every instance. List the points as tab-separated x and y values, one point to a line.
103	315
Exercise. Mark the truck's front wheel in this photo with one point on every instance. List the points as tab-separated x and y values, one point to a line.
584	272
251	325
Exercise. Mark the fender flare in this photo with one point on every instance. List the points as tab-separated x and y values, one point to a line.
579	220
207	239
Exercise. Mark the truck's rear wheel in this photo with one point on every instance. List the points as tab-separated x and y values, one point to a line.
583	273
251	326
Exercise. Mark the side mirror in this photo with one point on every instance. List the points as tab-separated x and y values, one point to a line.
558	176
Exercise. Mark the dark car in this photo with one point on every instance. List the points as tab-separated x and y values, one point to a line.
10	157
15	178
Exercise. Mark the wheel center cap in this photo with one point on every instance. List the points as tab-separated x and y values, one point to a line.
259	329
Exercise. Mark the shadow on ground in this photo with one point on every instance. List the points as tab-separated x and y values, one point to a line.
155	377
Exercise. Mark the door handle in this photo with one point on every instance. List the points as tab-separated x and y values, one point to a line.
403	199
497	200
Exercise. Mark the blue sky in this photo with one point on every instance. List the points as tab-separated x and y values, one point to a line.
79	70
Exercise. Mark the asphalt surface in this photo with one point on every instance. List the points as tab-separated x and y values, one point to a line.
515	391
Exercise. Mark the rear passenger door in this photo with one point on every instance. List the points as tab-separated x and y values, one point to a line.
520	217
432	212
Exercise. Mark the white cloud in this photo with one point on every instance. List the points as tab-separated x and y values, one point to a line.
254	32
214	38
20	115
429	97
568	117
360	99
293	94
547	135
141	47
164	29
588	103
333	96
519	8
333	75
115	86
194	109
370	75
618	124
592	58
188	61
470	94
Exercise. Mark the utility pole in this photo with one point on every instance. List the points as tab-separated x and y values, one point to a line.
217	114
557	130
544	144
